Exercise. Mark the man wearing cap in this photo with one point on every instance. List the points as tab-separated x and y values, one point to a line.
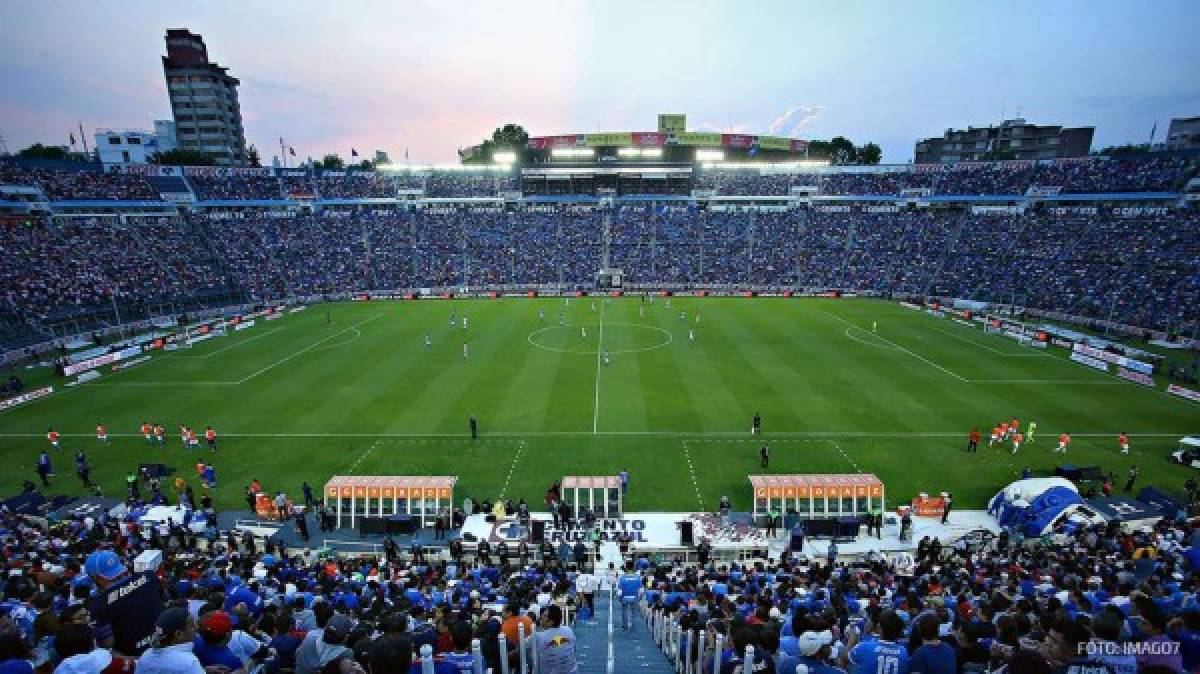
321	647
815	648
211	645
174	632
125	605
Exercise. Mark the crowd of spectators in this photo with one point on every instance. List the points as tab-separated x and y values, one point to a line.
56	268
1095	599
91	184
1089	176
239	188
357	186
1140	269
463	184
73	600
1098	600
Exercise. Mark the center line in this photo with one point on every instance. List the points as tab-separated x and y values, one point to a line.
599	351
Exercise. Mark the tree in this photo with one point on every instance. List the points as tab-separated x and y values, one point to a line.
1123	149
507	138
842	151
332	162
39	151
366	165
252	157
869	154
182	157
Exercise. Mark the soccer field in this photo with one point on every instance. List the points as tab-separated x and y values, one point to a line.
351	388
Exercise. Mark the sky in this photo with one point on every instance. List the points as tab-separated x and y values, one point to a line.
432	77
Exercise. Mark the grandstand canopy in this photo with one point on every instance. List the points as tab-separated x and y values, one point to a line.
818	495
609	487
355	496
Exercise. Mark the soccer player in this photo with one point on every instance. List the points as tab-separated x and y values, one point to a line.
583	331
1123	441
464	322
593	306
691	335
1032	429
52	436
466	351
428	342
995	436
1017	438
160	434
148	432
101	434
183	436
1014	427
44	468
192	441
683	315
697	318
1064	439
756	424
1133	473
764	455
1003	430
453	320
874	326
973	440
542	315
605	358
210	436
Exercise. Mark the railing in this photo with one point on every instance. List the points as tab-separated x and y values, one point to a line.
670	637
610	662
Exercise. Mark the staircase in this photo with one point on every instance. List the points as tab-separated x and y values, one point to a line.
634	649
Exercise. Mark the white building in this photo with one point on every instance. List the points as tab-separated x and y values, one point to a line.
133	146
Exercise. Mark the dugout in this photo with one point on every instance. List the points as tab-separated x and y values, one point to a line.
818	496
607	487
358	496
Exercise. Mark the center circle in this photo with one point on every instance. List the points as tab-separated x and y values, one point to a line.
618	338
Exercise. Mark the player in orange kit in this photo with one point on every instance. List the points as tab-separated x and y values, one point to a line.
148	432
210	436
52	436
1017	439
1064	439
102	434
1123	441
160	435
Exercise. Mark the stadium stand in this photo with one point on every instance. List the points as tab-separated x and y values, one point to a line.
78	585
1134	262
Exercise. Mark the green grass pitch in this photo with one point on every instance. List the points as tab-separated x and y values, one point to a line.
298	398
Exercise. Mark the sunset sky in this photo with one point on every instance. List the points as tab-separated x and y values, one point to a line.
436	76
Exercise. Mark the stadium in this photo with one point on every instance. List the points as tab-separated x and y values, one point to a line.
768	411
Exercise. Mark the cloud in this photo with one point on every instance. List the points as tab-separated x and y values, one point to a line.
794	120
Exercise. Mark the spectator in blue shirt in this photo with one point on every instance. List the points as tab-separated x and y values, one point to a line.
629	586
879	650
